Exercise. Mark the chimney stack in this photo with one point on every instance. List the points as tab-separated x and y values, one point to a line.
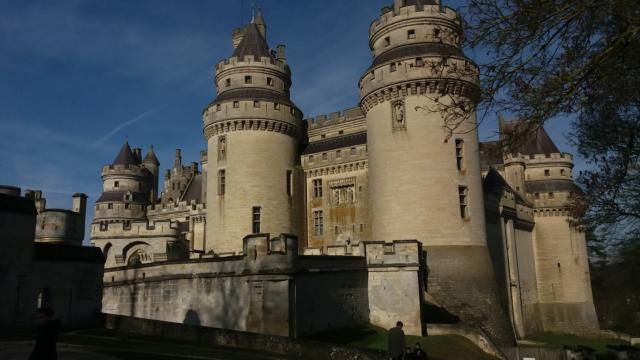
281	54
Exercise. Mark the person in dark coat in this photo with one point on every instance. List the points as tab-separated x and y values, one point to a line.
396	342
47	336
419	354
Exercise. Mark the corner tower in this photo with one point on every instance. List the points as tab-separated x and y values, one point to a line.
253	131
425	182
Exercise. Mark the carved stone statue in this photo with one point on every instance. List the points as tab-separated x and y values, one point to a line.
222	148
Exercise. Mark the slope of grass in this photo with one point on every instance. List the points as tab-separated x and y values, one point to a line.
438	347
559	340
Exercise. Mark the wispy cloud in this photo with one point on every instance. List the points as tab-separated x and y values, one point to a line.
125	124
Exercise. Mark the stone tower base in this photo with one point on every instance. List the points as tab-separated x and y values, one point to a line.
462	280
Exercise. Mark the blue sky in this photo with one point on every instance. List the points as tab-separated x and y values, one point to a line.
77	76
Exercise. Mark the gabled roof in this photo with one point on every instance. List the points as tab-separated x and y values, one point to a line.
194	192
125	156
252	44
536	142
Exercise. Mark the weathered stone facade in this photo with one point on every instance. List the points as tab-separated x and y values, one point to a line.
405	164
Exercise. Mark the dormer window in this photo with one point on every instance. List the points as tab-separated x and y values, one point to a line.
247	79
411	34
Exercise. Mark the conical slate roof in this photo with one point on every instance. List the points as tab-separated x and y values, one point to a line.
125	156
253	43
151	157
537	142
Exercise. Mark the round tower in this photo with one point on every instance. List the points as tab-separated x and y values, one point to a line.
253	132
125	189
425	181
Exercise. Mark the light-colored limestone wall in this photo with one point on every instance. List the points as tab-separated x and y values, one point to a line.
564	286
256	167
60	226
527	281
349	121
414	181
350	216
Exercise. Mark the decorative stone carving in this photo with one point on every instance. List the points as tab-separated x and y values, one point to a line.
222	148
398	115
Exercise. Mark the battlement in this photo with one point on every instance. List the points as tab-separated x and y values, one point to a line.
437	11
134	229
347	115
264	61
123	170
375	252
183	206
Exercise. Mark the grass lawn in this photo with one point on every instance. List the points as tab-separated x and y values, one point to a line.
440	347
559	340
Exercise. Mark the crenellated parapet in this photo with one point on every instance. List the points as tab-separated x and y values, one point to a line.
133	171
431	17
134	230
190	207
335	118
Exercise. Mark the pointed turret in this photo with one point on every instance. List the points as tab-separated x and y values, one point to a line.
125	156
253	43
151	157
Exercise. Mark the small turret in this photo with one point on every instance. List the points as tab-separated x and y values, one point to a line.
153	165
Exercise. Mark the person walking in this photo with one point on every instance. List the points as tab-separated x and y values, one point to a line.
47	336
396	342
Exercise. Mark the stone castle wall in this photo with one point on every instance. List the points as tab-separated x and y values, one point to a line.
271	289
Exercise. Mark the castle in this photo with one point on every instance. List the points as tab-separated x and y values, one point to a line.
355	200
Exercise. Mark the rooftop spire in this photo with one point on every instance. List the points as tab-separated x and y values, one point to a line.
260	23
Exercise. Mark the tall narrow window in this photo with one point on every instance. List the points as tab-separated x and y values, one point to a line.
222	182
255	219
227	83
436	33
289	182
411	34
460	154
116	184
317	188
247	79
462	195
318	223
270	81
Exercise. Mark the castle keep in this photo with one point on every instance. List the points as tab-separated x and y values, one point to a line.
290	226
